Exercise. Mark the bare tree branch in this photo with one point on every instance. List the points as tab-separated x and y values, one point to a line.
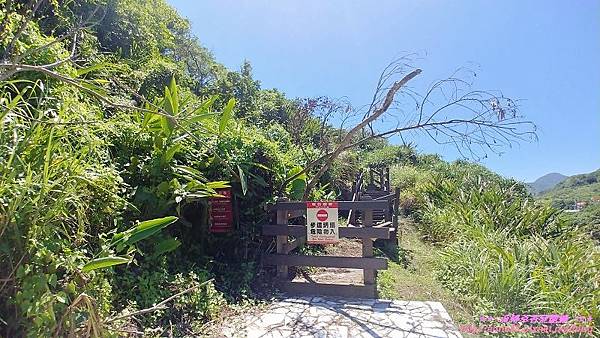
389	98
475	122
160	305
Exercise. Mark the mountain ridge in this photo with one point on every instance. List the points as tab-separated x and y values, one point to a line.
546	183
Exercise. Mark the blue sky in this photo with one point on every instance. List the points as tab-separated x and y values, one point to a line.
544	52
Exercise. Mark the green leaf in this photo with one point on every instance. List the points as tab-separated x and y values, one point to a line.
92	68
189	171
297	186
227	111
96	90
163	187
207	105
148	228
167	125
174	96
166	245
141	231
48	157
243	180
149	117
104	262
159	142
217	184
171	152
200	118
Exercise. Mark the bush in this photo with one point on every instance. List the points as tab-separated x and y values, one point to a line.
503	251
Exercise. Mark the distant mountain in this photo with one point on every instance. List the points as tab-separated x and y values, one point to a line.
582	193
546	183
575	188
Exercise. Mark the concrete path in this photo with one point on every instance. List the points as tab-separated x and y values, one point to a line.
338	317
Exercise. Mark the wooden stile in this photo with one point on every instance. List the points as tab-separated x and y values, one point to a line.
369	264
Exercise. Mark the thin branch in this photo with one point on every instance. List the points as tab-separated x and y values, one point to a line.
389	98
161	304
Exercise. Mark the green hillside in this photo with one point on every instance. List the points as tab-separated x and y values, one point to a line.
579	188
545	183
574	189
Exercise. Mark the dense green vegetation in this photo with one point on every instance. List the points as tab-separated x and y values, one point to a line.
499	250
116	125
584	188
578	188
143	123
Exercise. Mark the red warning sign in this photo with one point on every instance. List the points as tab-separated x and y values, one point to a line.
322	222
322	215
221	212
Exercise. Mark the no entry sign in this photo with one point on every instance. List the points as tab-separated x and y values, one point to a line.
322	222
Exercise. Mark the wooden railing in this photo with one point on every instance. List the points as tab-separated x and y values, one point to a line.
283	258
357	187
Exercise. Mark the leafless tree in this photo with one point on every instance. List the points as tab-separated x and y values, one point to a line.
475	122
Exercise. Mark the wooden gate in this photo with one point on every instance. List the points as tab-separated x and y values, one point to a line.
284	257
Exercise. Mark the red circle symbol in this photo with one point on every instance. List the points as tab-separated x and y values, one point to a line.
322	215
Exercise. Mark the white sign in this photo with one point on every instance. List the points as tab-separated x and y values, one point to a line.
322	222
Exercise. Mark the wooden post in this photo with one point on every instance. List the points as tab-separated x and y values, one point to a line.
367	246
396	214
351	213
387	179
282	219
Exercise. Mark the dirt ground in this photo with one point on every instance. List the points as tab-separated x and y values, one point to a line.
345	247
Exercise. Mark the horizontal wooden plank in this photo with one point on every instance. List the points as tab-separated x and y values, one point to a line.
342	205
347	232
296	213
326	261
383	225
318	289
384	197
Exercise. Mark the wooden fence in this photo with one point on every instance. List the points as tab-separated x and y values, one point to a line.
366	233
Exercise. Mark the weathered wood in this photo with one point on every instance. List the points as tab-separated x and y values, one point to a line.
347	232
382	225
367	248
349	291
326	261
282	270
296	213
384	197
342	205
293	244
387	179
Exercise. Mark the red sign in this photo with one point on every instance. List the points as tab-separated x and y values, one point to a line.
322	215
220	212
322	222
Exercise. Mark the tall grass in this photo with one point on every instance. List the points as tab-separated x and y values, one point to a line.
56	197
502	251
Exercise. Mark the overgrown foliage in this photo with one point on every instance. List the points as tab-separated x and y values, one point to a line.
501	251
116	126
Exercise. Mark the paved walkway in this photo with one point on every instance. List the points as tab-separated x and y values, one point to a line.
338	317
